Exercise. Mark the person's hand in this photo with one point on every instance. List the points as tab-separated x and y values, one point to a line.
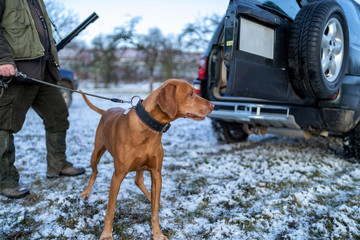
7	70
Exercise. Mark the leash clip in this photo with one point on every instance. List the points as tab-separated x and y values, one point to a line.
21	74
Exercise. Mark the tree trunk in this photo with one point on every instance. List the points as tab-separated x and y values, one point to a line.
151	81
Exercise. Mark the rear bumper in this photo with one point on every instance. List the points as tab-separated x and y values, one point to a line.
287	120
255	114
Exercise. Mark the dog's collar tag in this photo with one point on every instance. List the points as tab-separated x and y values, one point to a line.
149	120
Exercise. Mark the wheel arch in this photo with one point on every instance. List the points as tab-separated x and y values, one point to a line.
66	82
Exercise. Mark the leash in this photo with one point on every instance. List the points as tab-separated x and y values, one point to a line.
139	109
4	84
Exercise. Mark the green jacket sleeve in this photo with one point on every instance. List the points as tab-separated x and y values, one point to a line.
5	55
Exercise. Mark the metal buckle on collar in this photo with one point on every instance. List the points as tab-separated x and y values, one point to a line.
165	128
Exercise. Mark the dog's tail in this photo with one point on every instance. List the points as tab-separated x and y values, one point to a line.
96	109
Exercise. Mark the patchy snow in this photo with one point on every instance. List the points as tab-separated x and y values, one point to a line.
270	187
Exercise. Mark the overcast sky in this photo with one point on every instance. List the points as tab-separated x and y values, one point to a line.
168	15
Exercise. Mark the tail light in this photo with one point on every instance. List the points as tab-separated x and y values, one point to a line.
202	72
197	86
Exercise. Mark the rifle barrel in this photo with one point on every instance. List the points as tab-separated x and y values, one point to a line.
92	18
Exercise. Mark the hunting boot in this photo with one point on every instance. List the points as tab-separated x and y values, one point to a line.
56	157
9	175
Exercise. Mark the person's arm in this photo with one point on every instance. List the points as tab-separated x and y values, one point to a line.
7	63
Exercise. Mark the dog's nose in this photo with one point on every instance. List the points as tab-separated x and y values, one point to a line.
212	105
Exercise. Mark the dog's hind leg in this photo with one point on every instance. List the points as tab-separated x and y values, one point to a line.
139	181
99	150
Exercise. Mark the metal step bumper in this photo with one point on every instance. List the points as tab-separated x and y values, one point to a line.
255	114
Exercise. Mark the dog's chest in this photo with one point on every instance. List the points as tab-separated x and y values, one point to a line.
147	153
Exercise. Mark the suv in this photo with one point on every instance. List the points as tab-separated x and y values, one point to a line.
68	79
285	67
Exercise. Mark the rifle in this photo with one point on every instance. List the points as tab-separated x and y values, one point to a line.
92	18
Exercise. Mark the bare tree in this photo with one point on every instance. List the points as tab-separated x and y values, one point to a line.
195	36
150	46
104	58
64	20
170	52
105	51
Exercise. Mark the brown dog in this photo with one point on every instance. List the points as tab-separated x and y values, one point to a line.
134	141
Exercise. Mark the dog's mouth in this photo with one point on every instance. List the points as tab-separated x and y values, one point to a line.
194	117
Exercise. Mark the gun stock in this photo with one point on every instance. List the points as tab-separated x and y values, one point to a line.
92	18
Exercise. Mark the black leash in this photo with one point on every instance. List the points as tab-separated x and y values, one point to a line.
4	83
69	89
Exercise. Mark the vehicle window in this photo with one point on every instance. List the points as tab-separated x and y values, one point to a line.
289	7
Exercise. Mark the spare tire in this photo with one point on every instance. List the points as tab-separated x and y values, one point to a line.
318	50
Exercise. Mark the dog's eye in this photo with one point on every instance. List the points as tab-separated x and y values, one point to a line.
191	93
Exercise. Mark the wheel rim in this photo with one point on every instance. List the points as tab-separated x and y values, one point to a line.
332	50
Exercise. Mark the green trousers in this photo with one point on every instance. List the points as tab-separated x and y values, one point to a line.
9	176
50	106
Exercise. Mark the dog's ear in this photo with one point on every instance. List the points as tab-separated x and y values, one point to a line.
167	101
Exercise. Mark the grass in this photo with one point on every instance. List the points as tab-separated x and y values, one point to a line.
275	188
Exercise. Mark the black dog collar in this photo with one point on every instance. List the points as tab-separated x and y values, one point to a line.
149	120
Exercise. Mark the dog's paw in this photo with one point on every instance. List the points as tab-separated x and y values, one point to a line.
85	195
106	236
160	237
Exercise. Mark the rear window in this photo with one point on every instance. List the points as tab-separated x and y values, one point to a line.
290	7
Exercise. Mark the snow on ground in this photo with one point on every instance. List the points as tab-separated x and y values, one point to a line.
269	187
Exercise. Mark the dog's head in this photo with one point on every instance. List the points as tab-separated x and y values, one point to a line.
178	98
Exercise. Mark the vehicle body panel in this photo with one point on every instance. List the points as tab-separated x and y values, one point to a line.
257	86
68	76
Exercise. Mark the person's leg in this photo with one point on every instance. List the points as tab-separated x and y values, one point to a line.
13	107
56	153
51	107
8	173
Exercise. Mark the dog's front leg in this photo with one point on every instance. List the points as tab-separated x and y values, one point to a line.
156	182
116	180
